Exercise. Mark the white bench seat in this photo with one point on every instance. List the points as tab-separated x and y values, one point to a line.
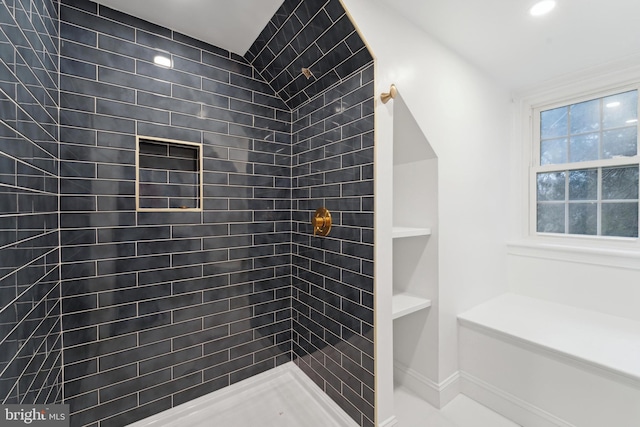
544	364
609	342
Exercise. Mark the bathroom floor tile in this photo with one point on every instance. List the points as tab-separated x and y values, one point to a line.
411	411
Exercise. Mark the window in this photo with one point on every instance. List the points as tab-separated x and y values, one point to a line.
169	175
585	173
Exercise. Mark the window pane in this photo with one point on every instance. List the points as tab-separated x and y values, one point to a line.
582	218
551	186
583	184
620	109
551	218
620	142
620	219
620	183
584	147
604	199
553	151
554	123
585	117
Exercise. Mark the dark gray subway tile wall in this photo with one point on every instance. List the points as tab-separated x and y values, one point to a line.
333	276
162	307
30	315
332	166
313	34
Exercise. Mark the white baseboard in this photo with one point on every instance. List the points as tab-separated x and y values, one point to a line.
436	394
508	405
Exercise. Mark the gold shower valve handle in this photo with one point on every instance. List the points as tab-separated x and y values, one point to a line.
321	222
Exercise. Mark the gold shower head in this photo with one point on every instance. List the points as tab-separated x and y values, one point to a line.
307	73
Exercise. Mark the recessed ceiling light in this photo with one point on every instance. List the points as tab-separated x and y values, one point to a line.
542	7
162	60
613	104
631	121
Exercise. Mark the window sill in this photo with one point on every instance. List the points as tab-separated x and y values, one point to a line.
575	252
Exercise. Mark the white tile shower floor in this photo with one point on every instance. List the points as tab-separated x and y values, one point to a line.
286	397
280	397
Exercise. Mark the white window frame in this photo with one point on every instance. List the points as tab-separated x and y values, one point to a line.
536	168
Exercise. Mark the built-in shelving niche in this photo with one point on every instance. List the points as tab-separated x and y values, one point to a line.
415	247
406	302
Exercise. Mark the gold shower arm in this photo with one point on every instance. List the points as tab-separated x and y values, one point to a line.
385	97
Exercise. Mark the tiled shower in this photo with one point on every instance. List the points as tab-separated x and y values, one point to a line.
30	321
124	313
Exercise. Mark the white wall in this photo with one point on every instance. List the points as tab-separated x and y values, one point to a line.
467	119
608	289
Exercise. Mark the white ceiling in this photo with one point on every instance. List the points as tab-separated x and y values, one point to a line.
230	24
498	36
521	51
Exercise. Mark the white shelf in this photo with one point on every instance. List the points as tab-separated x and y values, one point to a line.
403	304
400	232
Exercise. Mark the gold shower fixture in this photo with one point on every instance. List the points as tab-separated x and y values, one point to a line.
321	222
385	97
307	73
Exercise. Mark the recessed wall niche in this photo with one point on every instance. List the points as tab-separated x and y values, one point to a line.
169	175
